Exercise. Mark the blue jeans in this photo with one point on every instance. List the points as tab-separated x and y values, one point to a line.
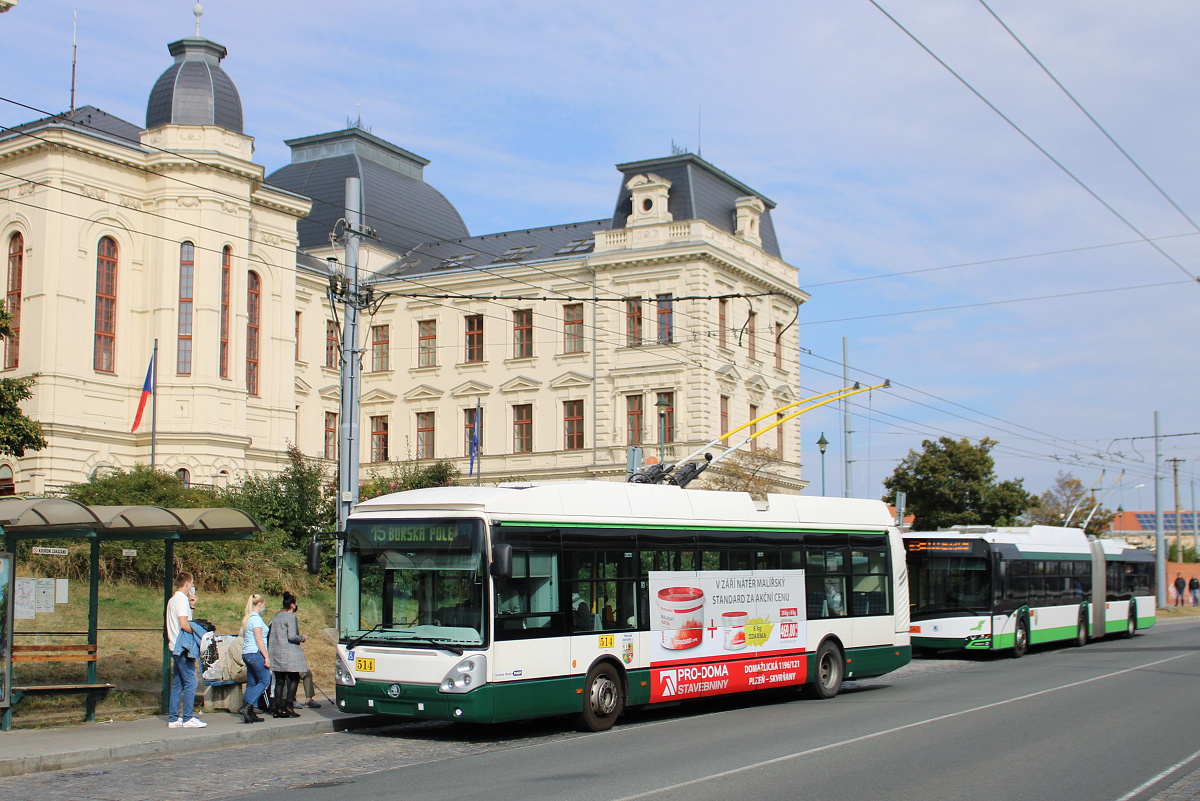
258	677
183	687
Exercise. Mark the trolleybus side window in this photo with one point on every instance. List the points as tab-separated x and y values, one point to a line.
826	565
603	590
869	583
527	604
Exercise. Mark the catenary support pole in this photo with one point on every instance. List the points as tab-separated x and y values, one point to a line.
349	444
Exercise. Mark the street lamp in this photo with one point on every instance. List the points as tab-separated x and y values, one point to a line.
662	404
822	443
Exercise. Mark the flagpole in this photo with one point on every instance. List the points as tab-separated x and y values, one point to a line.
478	442
153	403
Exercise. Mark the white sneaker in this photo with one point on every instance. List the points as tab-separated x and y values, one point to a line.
175	724
194	723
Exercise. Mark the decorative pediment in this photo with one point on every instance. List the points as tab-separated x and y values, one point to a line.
785	393
728	373
302	386
330	393
421	392
521	382
757	382
471	388
571	380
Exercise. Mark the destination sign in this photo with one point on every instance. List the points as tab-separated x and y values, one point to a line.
941	547
417	533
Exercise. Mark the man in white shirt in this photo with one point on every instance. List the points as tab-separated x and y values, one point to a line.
183	668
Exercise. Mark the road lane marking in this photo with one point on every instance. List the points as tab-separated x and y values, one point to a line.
905	727
1150	782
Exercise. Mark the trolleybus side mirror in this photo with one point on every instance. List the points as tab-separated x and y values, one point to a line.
502	560
314	556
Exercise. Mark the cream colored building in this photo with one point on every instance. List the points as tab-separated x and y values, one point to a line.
564	337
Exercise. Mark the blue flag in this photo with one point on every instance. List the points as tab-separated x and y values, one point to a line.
476	424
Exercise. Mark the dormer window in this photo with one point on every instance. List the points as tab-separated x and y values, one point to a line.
577	246
516	253
454	262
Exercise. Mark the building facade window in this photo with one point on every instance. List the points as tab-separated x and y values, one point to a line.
779	436
573	328
331	435
332	344
523	428
8	482
253	321
187	278
379	438
297	336
723	324
751	337
425	435
725	418
381	348
184	476
634	324
474	341
104	359
634	420
223	334
753	428
666	416
16	274
779	346
573	425
470	420
427	343
666	319
523	333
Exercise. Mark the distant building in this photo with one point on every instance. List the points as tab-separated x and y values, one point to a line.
659	325
1139	527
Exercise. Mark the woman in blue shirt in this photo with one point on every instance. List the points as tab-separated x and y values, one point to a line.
255	655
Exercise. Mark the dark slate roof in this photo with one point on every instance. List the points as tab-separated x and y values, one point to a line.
699	191
195	90
494	251
396	202
88	120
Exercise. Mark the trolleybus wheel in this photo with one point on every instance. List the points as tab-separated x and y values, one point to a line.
1021	639
1131	624
602	699
1081	636
831	669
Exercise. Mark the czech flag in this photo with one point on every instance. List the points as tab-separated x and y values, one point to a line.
147	391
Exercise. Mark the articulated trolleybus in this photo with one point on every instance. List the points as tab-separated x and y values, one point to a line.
998	588
490	604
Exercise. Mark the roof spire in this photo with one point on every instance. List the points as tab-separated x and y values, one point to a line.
198	10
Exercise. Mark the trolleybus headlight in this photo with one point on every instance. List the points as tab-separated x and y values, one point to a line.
465	675
342	673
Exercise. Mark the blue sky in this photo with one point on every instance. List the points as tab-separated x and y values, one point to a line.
880	161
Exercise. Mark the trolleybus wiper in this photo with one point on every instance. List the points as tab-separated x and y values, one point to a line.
367	633
445	645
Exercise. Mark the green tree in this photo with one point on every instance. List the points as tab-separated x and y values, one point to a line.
409	475
952	482
140	486
743	471
295	502
1066	496
18	432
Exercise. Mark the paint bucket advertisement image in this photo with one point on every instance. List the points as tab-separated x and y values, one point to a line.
726	631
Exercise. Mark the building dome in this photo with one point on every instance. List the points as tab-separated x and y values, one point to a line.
195	90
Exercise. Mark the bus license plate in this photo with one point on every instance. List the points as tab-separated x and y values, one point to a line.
364	665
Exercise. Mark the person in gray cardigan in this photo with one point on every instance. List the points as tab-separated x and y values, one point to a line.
287	657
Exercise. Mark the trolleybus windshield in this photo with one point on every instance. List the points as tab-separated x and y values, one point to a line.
414	582
949	585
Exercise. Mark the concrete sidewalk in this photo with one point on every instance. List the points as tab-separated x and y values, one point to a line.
32	750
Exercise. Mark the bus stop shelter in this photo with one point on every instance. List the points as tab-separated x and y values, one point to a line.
63	519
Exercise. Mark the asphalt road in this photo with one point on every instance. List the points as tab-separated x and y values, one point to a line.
1070	724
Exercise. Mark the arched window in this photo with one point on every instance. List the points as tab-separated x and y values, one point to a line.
16	270
104	354
253	299
184	476
7	485
223	351
187	272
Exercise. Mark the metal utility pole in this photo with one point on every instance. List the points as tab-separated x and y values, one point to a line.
1178	525
1160	541
345	288
848	490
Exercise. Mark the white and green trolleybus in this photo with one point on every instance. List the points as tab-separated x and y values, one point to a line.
1008	588
491	604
